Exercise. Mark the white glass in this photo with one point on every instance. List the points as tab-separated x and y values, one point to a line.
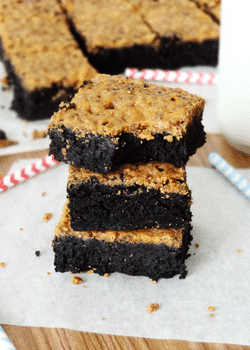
234	74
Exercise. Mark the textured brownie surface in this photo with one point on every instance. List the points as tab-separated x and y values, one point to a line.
154	195
41	56
153	253
115	120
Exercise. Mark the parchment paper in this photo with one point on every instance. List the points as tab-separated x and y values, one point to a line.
218	273
16	129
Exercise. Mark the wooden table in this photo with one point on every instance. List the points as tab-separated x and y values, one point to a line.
37	338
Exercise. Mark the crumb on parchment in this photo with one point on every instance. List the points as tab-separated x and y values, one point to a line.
106	274
77	280
152	308
211	308
238	250
91	271
2	264
153	282
47	216
197	245
39	134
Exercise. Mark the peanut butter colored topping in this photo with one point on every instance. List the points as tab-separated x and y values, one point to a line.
115	25
170	237
161	176
180	19
111	105
36	39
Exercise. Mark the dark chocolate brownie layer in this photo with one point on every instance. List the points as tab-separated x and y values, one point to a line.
137	259
153	195
102	153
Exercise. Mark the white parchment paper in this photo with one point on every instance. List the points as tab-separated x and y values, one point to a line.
21	132
218	273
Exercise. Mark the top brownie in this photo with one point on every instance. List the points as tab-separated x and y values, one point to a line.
114	120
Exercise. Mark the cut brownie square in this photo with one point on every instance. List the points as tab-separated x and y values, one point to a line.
188	36
152	195
114	120
120	37
42	59
156	253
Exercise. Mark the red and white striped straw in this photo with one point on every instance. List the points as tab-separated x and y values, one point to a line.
25	173
172	76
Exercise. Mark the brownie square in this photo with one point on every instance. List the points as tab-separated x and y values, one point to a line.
120	38
188	36
114	120
153	195
155	253
42	59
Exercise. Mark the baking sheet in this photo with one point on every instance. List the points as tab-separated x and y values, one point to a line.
21	131
218	273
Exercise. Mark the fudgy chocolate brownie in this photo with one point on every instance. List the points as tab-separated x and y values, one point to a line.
156	253
152	195
114	120
42	59
120	37
188	36
143	33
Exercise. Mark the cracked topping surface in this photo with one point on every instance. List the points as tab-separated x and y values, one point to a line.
180	19
36	38
170	237
114	22
161	176
111	105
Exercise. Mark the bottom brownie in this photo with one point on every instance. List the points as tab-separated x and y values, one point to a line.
155	253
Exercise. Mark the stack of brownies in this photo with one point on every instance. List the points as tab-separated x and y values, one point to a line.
128	206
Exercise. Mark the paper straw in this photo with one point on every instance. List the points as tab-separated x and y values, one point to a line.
172	76
25	173
5	343
230	173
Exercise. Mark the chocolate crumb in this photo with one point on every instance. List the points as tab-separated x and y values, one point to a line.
77	280
37	253
152	308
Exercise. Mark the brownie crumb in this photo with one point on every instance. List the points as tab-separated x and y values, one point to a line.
37	253
77	280
211	308
197	245
47	216
152	308
39	134
2	264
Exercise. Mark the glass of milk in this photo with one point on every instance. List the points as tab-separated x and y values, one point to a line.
234	74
